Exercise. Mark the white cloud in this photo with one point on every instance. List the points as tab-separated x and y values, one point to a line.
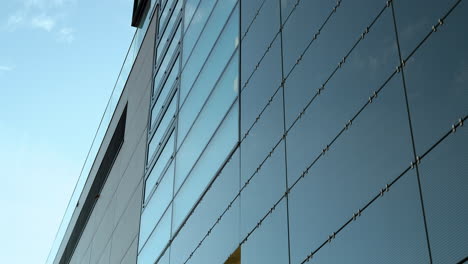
66	35
5	68
44	22
14	20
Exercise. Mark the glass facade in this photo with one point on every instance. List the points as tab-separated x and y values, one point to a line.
294	131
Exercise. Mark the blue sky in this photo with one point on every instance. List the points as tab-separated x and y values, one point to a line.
59	60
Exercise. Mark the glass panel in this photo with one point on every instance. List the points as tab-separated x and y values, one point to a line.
208	120
157	241
268	243
216	152
256	42
167	9
158	168
190	7
196	25
166	36
156	206
261	86
165	258
215	201
263	137
249	9
444	183
264	190
222	241
163	96
157	139
373	59
306	20
225	89
163	68
365	70
373	151
204	45
415	22
390	230
437	74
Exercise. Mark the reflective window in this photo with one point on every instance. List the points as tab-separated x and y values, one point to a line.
166	35
215	201
437	74
373	59
223	93
257	40
206	80
156	206
158	168
157	241
209	119
162	129
195	26
204	45
222	241
269	242
216	152
163	67
261	87
345	93
167	9
163	98
190	8
437	80
249	9
263	137
371	153
263	191
391	230
444	181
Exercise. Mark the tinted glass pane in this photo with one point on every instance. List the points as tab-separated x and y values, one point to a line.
156	206
163	67
268	243
209	119
190	7
261	86
220	91
374	58
444	183
195	26
165	258
258	39
365	70
166	36
167	9
264	190
305	21
167	88
263	137
437	74
222	241
204	45
158	168
221	193
161	130
374	150
217	151
391	230
157	241
415	22
249	9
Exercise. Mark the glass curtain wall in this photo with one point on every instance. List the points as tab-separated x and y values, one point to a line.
319	131
194	117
